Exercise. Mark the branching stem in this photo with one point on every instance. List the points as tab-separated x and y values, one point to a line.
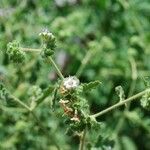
20	102
31	50
121	103
84	63
49	59
134	76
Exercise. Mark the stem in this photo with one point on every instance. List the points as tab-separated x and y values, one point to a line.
12	109
20	102
56	67
49	60
83	63
33	114
31	50
131	90
121	103
82	140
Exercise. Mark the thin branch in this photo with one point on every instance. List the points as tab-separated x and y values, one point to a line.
84	63
13	109
50	60
121	103
131	91
82	140
31	50
20	102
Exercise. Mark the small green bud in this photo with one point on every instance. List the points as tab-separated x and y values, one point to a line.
46	52
15	53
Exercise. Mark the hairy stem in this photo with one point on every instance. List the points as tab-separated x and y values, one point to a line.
131	91
56	67
82	140
49	59
31	50
84	63
121	103
20	102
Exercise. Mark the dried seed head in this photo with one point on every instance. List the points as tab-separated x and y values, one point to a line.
75	118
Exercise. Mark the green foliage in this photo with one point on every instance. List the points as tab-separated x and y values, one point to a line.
95	41
91	85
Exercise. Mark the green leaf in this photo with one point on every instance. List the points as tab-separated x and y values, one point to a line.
91	85
120	92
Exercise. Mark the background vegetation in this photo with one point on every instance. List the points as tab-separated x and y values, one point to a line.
110	37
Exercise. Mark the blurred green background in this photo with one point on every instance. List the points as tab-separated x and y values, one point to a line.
111	36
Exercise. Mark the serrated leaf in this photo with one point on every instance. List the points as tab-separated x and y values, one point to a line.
91	85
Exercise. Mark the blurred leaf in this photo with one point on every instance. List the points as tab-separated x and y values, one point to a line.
91	85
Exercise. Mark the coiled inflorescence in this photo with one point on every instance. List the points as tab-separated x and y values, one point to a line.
49	42
15	53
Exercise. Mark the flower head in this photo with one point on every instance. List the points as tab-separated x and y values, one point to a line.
47	36
71	82
46	33
49	41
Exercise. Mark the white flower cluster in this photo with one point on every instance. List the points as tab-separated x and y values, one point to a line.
71	82
46	34
62	3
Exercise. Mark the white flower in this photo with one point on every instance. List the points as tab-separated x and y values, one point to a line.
75	118
63	101
71	82
45	33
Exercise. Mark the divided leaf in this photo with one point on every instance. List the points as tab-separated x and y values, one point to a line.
91	85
